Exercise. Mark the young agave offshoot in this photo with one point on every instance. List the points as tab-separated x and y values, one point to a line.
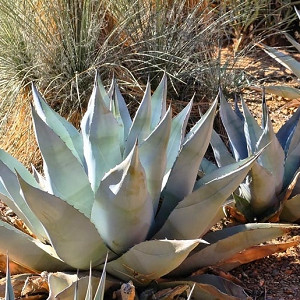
271	189
126	188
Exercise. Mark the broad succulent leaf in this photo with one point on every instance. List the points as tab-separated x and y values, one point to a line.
287	92
65	175
62	285
229	241
100	132
234	128
159	102
140	128
221	153
67	228
287	129
178	128
123	210
284	59
292	41
122	110
153	156
251	128
10	194
34	253
291	210
9	293
151	260
185	170
273	156
263	186
210	193
101	89
64	129
205	291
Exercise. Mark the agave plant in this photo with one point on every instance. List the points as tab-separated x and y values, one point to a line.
271	189
126	188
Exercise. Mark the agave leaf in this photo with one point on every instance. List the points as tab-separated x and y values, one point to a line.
234	128
177	133
62	285
123	210
65	130
159	102
66	227
10	195
292	41
101	286
210	193
273	156
284	59
291	210
123	110
262	185
185	170
65	175
14	165
34	254
227	242
140	128
287	92
153	157
251	128
206	167
242	205
9	292
288	128
221	153
100	132
201	291
225	286
294	140
89	290
101	89
151	260
254	253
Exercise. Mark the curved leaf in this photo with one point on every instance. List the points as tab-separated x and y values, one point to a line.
221	153
229	241
159	102
10	195
65	175
201	291
34	254
284	59
123	210
153	157
291	210
287	92
211	192
178	128
234	128
65	130
67	228
185	170
140	128
100	131
151	260
287	129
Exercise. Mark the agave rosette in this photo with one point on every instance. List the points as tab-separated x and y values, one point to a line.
271	189
126	187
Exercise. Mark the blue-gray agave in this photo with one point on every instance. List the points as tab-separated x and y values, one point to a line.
272	186
126	187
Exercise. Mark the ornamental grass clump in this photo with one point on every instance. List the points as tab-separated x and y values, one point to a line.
126	191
